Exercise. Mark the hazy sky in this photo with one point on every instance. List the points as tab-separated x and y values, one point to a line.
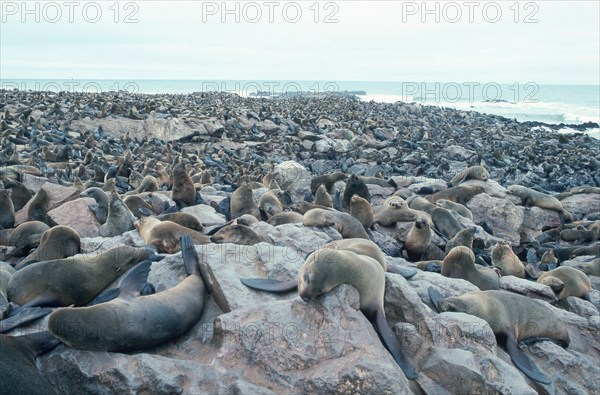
367	40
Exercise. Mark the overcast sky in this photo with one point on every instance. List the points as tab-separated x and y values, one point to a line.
367	41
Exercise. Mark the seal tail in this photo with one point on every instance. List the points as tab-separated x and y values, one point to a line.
22	316
270	285
393	346
189	255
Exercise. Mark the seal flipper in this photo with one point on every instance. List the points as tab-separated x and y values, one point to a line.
522	361
188	253
144	211
22	316
390	341
270	285
134	281
435	297
403	271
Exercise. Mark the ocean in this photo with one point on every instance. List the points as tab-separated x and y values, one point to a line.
524	101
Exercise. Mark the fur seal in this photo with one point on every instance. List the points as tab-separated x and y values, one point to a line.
269	205
361	210
322	197
74	280
19	194
347	225
26	236
511	317
183	219
529	197
165	235
581	233
445	222
119	219
418	240
459	208
184	191
460	263
566	281
133	322
593	249
18	372
237	234
462	238
471	173
288	217
591	268
327	179
148	184
37	210
354	186
58	242
138	206
100	209
394	209
325	269
459	194
7	214
242	202
6	271
504	258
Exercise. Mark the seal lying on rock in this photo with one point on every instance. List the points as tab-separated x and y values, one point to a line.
511	316
133	322
567	281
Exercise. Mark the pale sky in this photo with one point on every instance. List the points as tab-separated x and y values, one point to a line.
367	41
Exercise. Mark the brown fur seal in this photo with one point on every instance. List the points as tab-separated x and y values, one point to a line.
375	181
327	268
504	258
462	238
7	213
354	186
460	263
183	219
100	209
347	225
322	197
362	211
327	179
237	234
242	202
26	236
529	197
38	208
460	194
512	317
119	219
269	204
288	217
18	371
591	268
394	209
19	194
459	208
581	233
74	280
471	173
421	204
593	249
149	184
58	242
165	235
135	202
418	240
133	322
302	207
445	222
184	191
566	281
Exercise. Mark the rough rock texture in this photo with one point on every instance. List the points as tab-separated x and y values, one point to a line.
78	216
205	214
502	216
582	204
294	178
57	195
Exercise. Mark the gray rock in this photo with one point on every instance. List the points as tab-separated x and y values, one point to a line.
78	216
502	216
294	178
529	288
535	219
297	238
205	214
582	204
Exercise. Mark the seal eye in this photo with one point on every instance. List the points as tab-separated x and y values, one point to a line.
306	278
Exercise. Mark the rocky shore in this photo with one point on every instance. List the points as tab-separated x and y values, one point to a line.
246	341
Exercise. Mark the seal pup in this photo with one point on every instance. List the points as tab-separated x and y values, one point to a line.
165	235
445	222
133	322
394	209
148	184
184	191
457	207
138	206
7	213
26	236
18	372
470	173
183	219
460	263
510	316
322	197
119	219
269	205
581	234
462	238
100	209
74	280
288	217
325	269
347	225
37	210
327	179
354	186
529	198
58	242
567	281
242	202
237	234
418	240
361	210
459	194
504	258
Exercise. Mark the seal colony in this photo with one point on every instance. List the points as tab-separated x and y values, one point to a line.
400	192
